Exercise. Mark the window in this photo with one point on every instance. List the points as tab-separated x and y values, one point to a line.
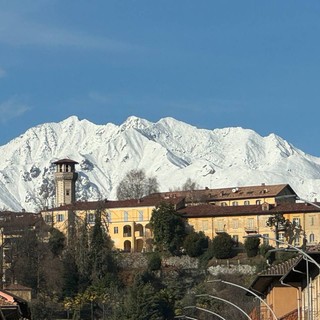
140	218
296	221
67	192
115	230
297	240
220	225
235	203
48	218
204	225
311	238
246	203
90	218
60	217
223	204
281	236
235	239
250	223
108	214
235	223
311	221
125	216
258	202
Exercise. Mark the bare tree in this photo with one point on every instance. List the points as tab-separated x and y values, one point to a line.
136	184
189	185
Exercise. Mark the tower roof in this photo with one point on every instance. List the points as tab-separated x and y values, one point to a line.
65	161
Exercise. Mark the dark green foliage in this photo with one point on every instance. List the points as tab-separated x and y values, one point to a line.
168	228
154	261
146	301
195	244
251	246
276	221
264	248
56	242
101	259
70	275
42	309
28	252
221	246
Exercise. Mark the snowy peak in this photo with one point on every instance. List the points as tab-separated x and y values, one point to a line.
169	149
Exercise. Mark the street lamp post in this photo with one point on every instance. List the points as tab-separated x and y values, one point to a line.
248	290
304	254
226	301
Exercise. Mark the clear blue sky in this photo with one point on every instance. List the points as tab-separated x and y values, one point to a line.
213	64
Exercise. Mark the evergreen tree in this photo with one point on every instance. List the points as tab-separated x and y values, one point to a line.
195	243
168	228
56	242
222	246
146	301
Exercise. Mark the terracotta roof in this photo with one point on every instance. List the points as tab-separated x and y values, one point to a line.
232	193
17	287
107	204
281	268
208	210
301	265
16	222
273	273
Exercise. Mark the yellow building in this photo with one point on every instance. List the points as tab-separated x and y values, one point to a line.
237	196
291	289
237	211
126	221
241	221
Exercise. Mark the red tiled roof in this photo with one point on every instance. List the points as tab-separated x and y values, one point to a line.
275	272
15	222
281	268
107	204
207	210
17	287
244	192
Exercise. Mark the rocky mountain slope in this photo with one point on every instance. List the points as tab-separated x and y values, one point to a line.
169	149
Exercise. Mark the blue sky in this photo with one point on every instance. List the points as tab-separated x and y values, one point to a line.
212	64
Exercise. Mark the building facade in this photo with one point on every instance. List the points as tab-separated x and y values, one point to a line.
238	211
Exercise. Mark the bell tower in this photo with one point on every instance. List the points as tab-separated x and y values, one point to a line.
65	178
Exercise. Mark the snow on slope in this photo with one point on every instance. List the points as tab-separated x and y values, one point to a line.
169	149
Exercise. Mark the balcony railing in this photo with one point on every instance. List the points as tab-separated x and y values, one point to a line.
251	229
220	230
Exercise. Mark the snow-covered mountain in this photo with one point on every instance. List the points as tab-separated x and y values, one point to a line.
169	149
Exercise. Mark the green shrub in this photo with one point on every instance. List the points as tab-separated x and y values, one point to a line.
221	246
264	248
251	246
195	243
154	261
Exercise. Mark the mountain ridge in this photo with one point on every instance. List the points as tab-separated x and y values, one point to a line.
169	149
